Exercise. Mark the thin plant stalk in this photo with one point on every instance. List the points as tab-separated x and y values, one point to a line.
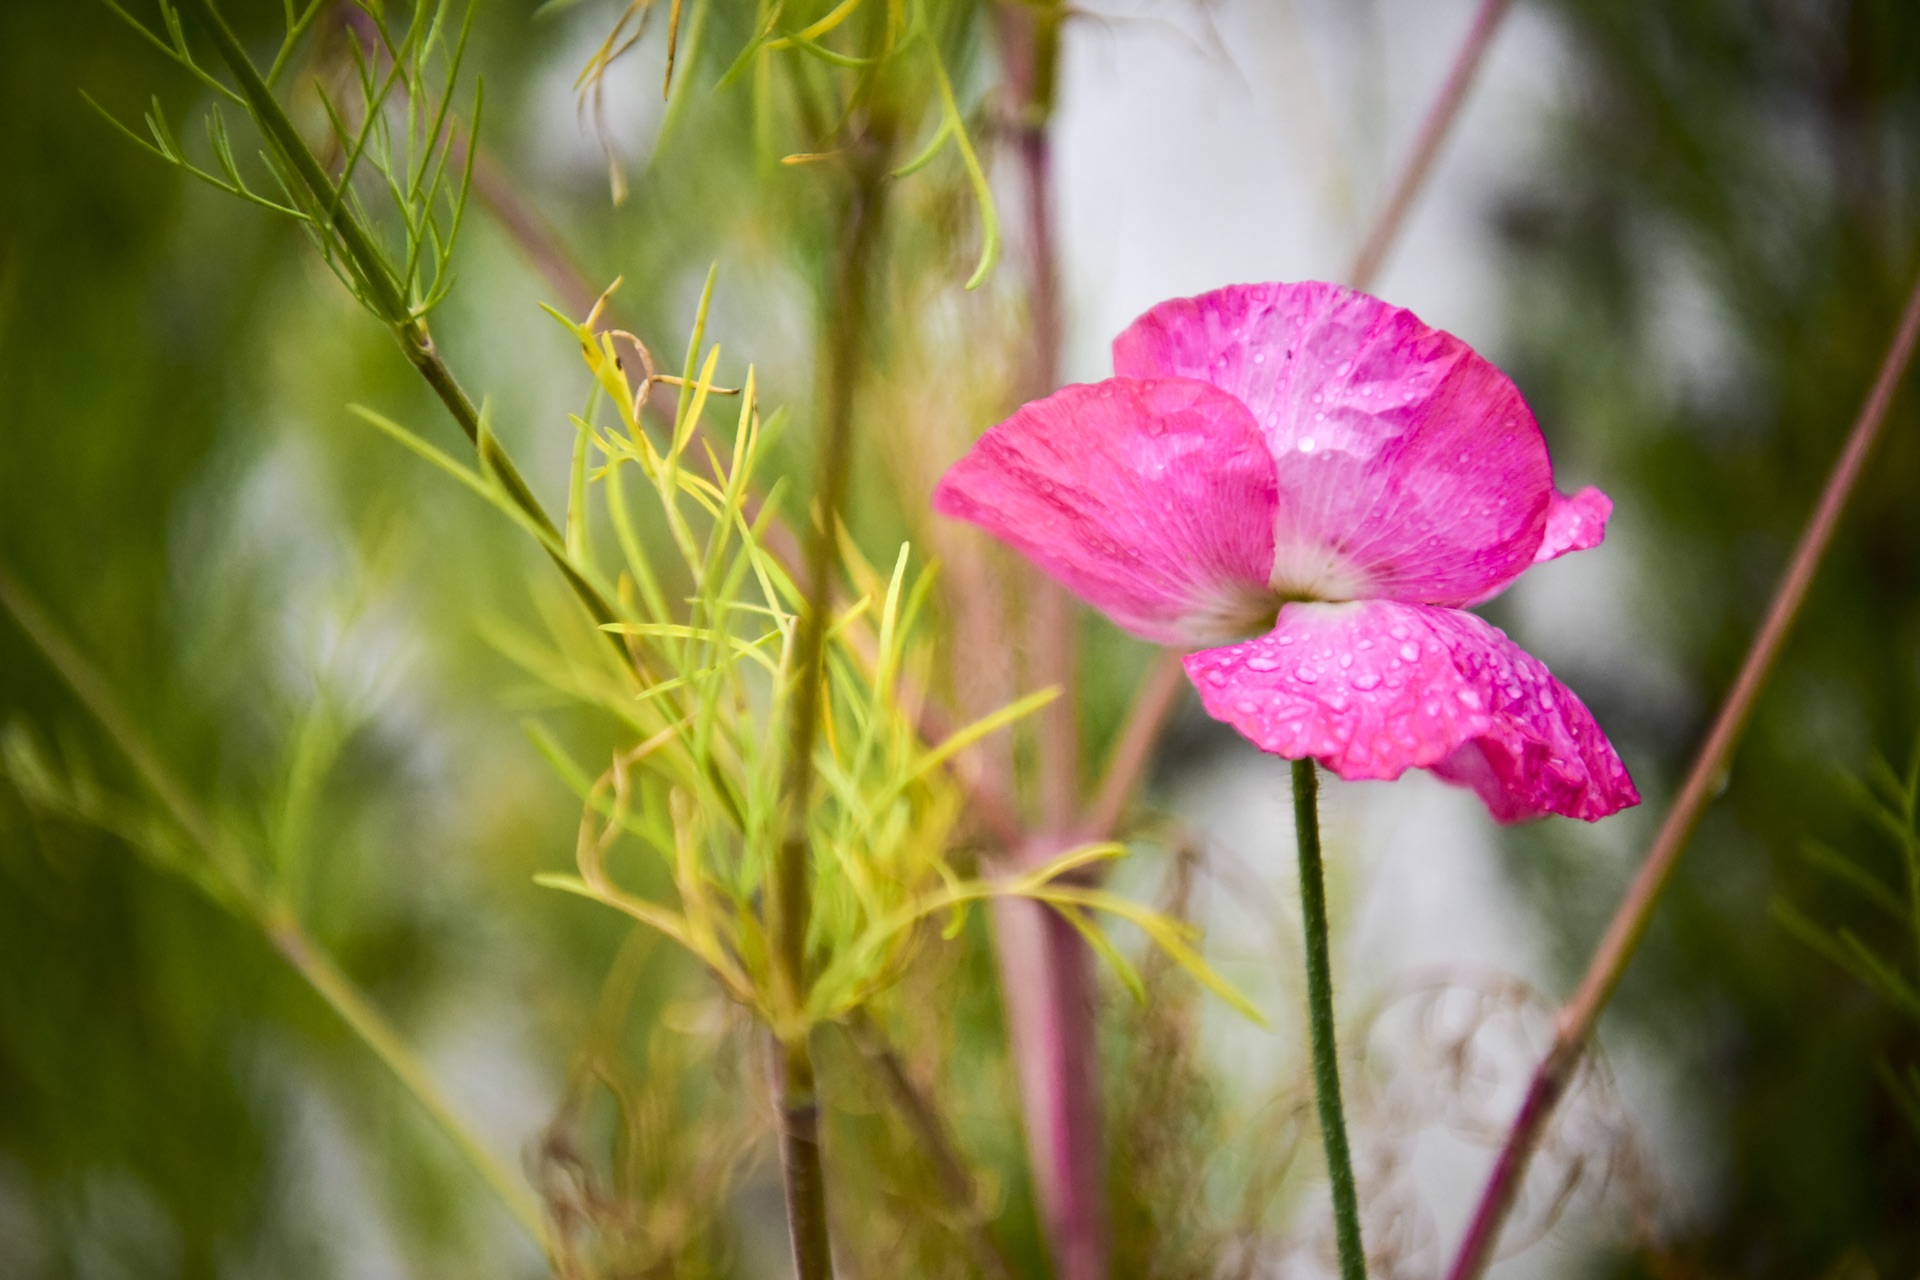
1326	1056
1434	128
790	898
1573	1028
1159	693
1046	969
276	922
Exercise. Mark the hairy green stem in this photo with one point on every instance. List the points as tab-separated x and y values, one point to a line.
1326	1057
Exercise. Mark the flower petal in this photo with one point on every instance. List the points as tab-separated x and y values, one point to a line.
1374	688
1153	500
1409	467
1574	524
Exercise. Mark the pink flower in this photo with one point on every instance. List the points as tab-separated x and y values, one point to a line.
1314	469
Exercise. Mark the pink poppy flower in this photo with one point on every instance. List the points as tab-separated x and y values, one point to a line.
1308	486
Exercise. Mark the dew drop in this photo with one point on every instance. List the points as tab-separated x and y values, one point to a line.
1306	675
1261	662
1307	442
1216	676
1367	680
1346	660
1410	651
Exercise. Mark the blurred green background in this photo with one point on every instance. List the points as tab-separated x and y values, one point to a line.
1697	259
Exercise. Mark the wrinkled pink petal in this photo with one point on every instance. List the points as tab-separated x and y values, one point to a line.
1153	500
1574	524
1409	468
1373	688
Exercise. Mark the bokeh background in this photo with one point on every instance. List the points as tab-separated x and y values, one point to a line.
1684	228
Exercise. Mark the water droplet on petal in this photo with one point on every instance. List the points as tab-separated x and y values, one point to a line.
1410	651
1367	680
1306	444
1346	660
1306	675
1262	662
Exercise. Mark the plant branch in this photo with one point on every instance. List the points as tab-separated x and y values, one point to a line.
1434	129
1158	694
385	296
1133	750
1054	614
1574	1026
1326	1056
1046	969
379	1035
790	897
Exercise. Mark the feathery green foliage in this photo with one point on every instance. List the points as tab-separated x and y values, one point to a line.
1891	800
699	683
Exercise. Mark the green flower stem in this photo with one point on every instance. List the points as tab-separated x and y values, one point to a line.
1326	1058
